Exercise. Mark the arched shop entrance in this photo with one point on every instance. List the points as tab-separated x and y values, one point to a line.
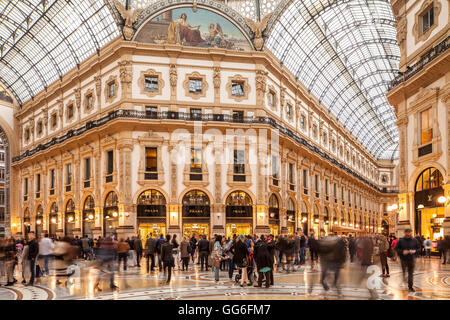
274	215
316	221
53	220
384	228
196	214
39	219
290	217
304	218
69	220
110	214
26	222
88	216
429	204
151	213
335	220
239	214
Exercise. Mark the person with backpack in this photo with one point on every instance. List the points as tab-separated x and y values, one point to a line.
158	245
185	251
427	245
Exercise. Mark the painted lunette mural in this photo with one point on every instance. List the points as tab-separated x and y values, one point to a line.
202	28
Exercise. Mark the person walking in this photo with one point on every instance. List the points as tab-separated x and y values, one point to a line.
84	247
264	261
158	244
167	257
241	258
150	252
176	252
227	250
427	246
383	246
408	248
138	249
184	254
445	248
217	256
46	250
351	248
122	250
302	248
33	251
193	244
297	249
203	251
10	256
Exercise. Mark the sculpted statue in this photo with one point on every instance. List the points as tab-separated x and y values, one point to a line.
130	17
258	27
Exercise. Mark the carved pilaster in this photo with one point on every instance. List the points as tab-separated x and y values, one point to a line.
216	83
261	87
126	76
173	77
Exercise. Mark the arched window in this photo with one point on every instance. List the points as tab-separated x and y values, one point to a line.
274	211
326	215
290	212
430	178
316	214
196	204
88	216
151	203
239	205
69	218
39	217
111	200
53	219
26	221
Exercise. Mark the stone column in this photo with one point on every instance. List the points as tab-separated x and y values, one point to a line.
77	198
98	219
173	215
218	214
261	210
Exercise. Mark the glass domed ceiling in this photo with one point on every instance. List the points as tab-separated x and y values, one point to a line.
41	40
345	53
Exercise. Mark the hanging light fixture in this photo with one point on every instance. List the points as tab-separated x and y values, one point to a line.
114	214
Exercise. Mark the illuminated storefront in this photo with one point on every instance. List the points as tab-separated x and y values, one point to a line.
196	214
151	213
53	220
429	203
88	216
69	218
39	220
239	214
110	215
274	215
290	217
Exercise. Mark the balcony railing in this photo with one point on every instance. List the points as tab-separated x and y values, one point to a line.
182	116
419	65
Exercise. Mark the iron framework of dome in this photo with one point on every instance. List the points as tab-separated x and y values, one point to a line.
345	52
41	40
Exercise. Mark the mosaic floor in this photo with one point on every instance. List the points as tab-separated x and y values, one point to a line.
431	280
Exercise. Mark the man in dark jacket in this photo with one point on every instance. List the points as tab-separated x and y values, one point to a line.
33	251
138	249
351	247
263	259
297	249
408	248
150	251
167	257
203	251
158	245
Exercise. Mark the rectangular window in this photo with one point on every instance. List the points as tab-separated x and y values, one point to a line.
196	160
2	156
39	127
54	120
89	102
335	190
427	19
302	122
238	116
316	183
70	111
52	178
2	198
196	114
289	110
38	182
151	112
151	83
239	162
349	196
2	174
87	169
151	159
195	85
342	194
426	126
305	179
291	173
111	89
109	162
25	186
275	167
271	98
326	187
68	174
237	88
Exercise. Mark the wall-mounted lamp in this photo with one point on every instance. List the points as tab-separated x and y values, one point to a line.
441	199
420	206
38	221
115	214
53	220
14	225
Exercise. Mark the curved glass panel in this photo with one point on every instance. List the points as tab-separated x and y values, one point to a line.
346	54
42	40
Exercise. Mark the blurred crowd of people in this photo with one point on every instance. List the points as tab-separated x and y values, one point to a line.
247	259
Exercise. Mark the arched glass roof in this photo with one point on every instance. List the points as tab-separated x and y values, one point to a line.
345	52
41	40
